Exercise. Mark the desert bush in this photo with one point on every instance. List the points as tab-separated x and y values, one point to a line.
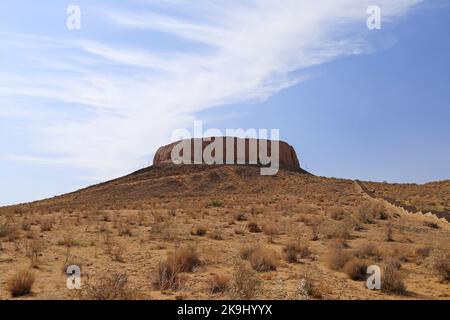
218	284
339	243
335	229
293	251
368	211
356	269
46	223
216	234
392	281
309	289
113	286
115	250
245	283
246	251
270	228
216	203
21	283
253	227
337	258
26	225
199	231
124	229
389	233
441	264
423	251
369	250
240	216
336	213
186	259
33	250
166	276
12	233
68	240
263	260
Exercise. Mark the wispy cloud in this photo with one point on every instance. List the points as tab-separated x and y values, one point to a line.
122	100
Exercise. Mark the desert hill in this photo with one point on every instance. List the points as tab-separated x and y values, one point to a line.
219	232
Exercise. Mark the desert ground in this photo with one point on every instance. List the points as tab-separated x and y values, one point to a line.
225	232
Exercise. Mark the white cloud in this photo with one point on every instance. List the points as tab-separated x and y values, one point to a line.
135	96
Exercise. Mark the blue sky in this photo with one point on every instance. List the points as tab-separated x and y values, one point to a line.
82	106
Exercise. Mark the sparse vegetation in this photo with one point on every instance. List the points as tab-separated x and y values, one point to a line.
245	284
21	283
113	286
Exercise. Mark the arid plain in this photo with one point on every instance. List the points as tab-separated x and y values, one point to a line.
226	232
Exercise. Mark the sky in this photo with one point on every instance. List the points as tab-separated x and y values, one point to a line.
81	106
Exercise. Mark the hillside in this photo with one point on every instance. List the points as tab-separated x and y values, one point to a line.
219	232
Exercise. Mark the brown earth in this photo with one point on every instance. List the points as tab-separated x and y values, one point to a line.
227	224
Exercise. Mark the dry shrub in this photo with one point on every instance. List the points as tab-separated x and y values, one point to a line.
199	231
263	260
124	229
294	251
339	243
335	229
166	276
389	233
337	258
356	269
309	289
441	265
68	240
115	250
247	251
33	250
12	233
369	250
392	281
336	213
218	284
47	223
26	225
239	216
270	228
21	283
216	234
111	287
245	283
369	211
253	227
186	259
423	251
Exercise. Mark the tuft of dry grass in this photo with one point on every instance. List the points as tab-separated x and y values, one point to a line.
47	223
253	227
441	265
337	258
166	276
185	259
392	281
335	229
336	213
263	260
199	231
114	286
21	283
33	250
245	284
356	269
218	284
294	251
